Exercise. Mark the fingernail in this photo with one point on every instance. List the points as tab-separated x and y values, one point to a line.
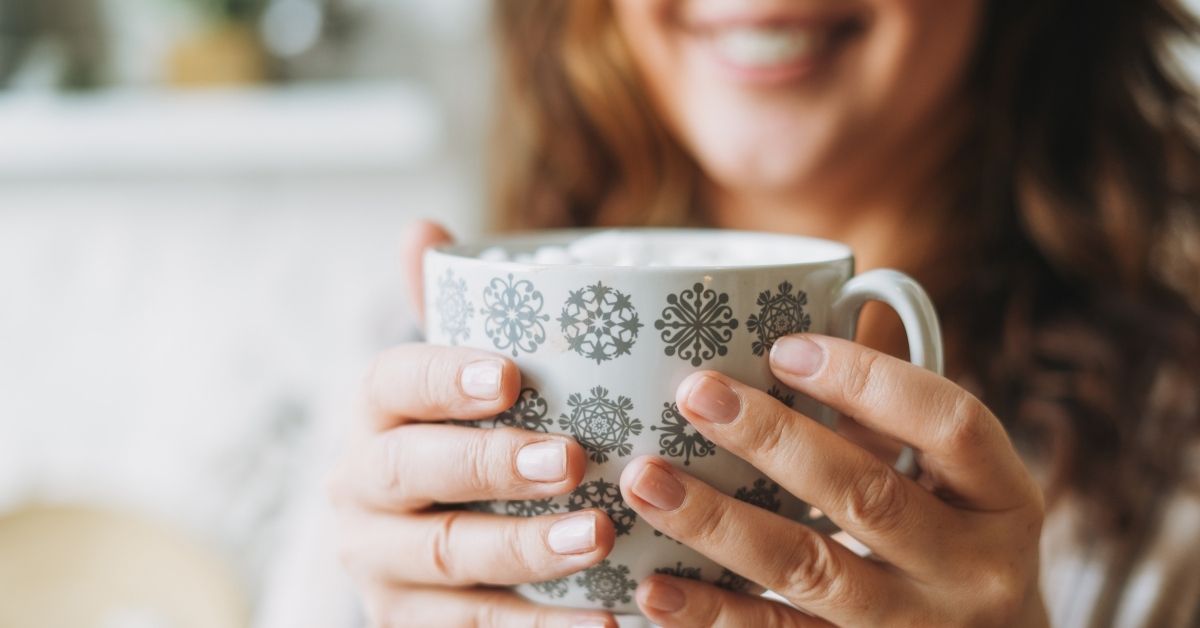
481	380
573	535
714	400
664	597
543	462
797	355
659	487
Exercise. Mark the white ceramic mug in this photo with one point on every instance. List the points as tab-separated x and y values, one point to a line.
602	349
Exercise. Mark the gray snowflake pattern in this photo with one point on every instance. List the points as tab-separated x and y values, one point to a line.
514	318
784	396
780	314
454	309
528	413
606	496
697	324
732	582
679	438
763	494
531	507
607	583
552	588
599	322
679	571
602	425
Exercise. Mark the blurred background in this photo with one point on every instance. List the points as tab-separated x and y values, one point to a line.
200	206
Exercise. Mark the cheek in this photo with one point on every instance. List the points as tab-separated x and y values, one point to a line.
915	61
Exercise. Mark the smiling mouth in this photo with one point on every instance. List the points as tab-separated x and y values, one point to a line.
777	52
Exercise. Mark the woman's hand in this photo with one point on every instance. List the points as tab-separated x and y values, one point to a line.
418	563
958	547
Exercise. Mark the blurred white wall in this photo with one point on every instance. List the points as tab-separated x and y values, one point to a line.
191	283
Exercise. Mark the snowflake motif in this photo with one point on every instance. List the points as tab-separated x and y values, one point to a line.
599	322
607	584
601	425
552	588
679	571
732	582
786	397
761	494
606	496
679	438
530	507
779	315
514	315
528	413
697	324
484	507
453	308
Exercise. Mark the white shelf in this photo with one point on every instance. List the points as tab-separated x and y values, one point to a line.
147	133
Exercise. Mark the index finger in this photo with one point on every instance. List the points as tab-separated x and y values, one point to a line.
962	446
422	382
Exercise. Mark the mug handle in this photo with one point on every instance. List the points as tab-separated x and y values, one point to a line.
904	295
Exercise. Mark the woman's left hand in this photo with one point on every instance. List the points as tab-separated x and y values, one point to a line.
957	547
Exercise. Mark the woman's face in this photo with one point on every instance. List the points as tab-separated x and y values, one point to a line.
781	96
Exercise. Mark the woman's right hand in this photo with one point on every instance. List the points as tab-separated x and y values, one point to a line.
416	559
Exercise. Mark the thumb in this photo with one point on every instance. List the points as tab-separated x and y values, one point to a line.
419	236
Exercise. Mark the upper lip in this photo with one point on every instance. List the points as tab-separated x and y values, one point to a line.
773	15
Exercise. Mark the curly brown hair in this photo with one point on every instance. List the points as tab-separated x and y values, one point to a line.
1073	300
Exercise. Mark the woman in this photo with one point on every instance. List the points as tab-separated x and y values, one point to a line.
1032	163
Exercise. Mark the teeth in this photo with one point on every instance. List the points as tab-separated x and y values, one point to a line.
766	47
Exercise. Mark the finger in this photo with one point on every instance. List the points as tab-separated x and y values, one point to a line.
460	548
417	238
431	383
671	602
813	571
473	608
899	520
412	466
963	447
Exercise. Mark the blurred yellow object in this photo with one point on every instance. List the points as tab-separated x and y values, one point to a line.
76	567
229	54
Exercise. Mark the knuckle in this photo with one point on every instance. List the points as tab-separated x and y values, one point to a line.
766	436
442	555
1004	591
481	456
708	523
390	474
860	376
970	424
776	616
522	543
430	379
812	574
494	610
487	615
877	499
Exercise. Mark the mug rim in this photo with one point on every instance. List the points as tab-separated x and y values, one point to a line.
468	252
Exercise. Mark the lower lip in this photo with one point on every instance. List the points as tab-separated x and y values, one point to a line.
765	76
